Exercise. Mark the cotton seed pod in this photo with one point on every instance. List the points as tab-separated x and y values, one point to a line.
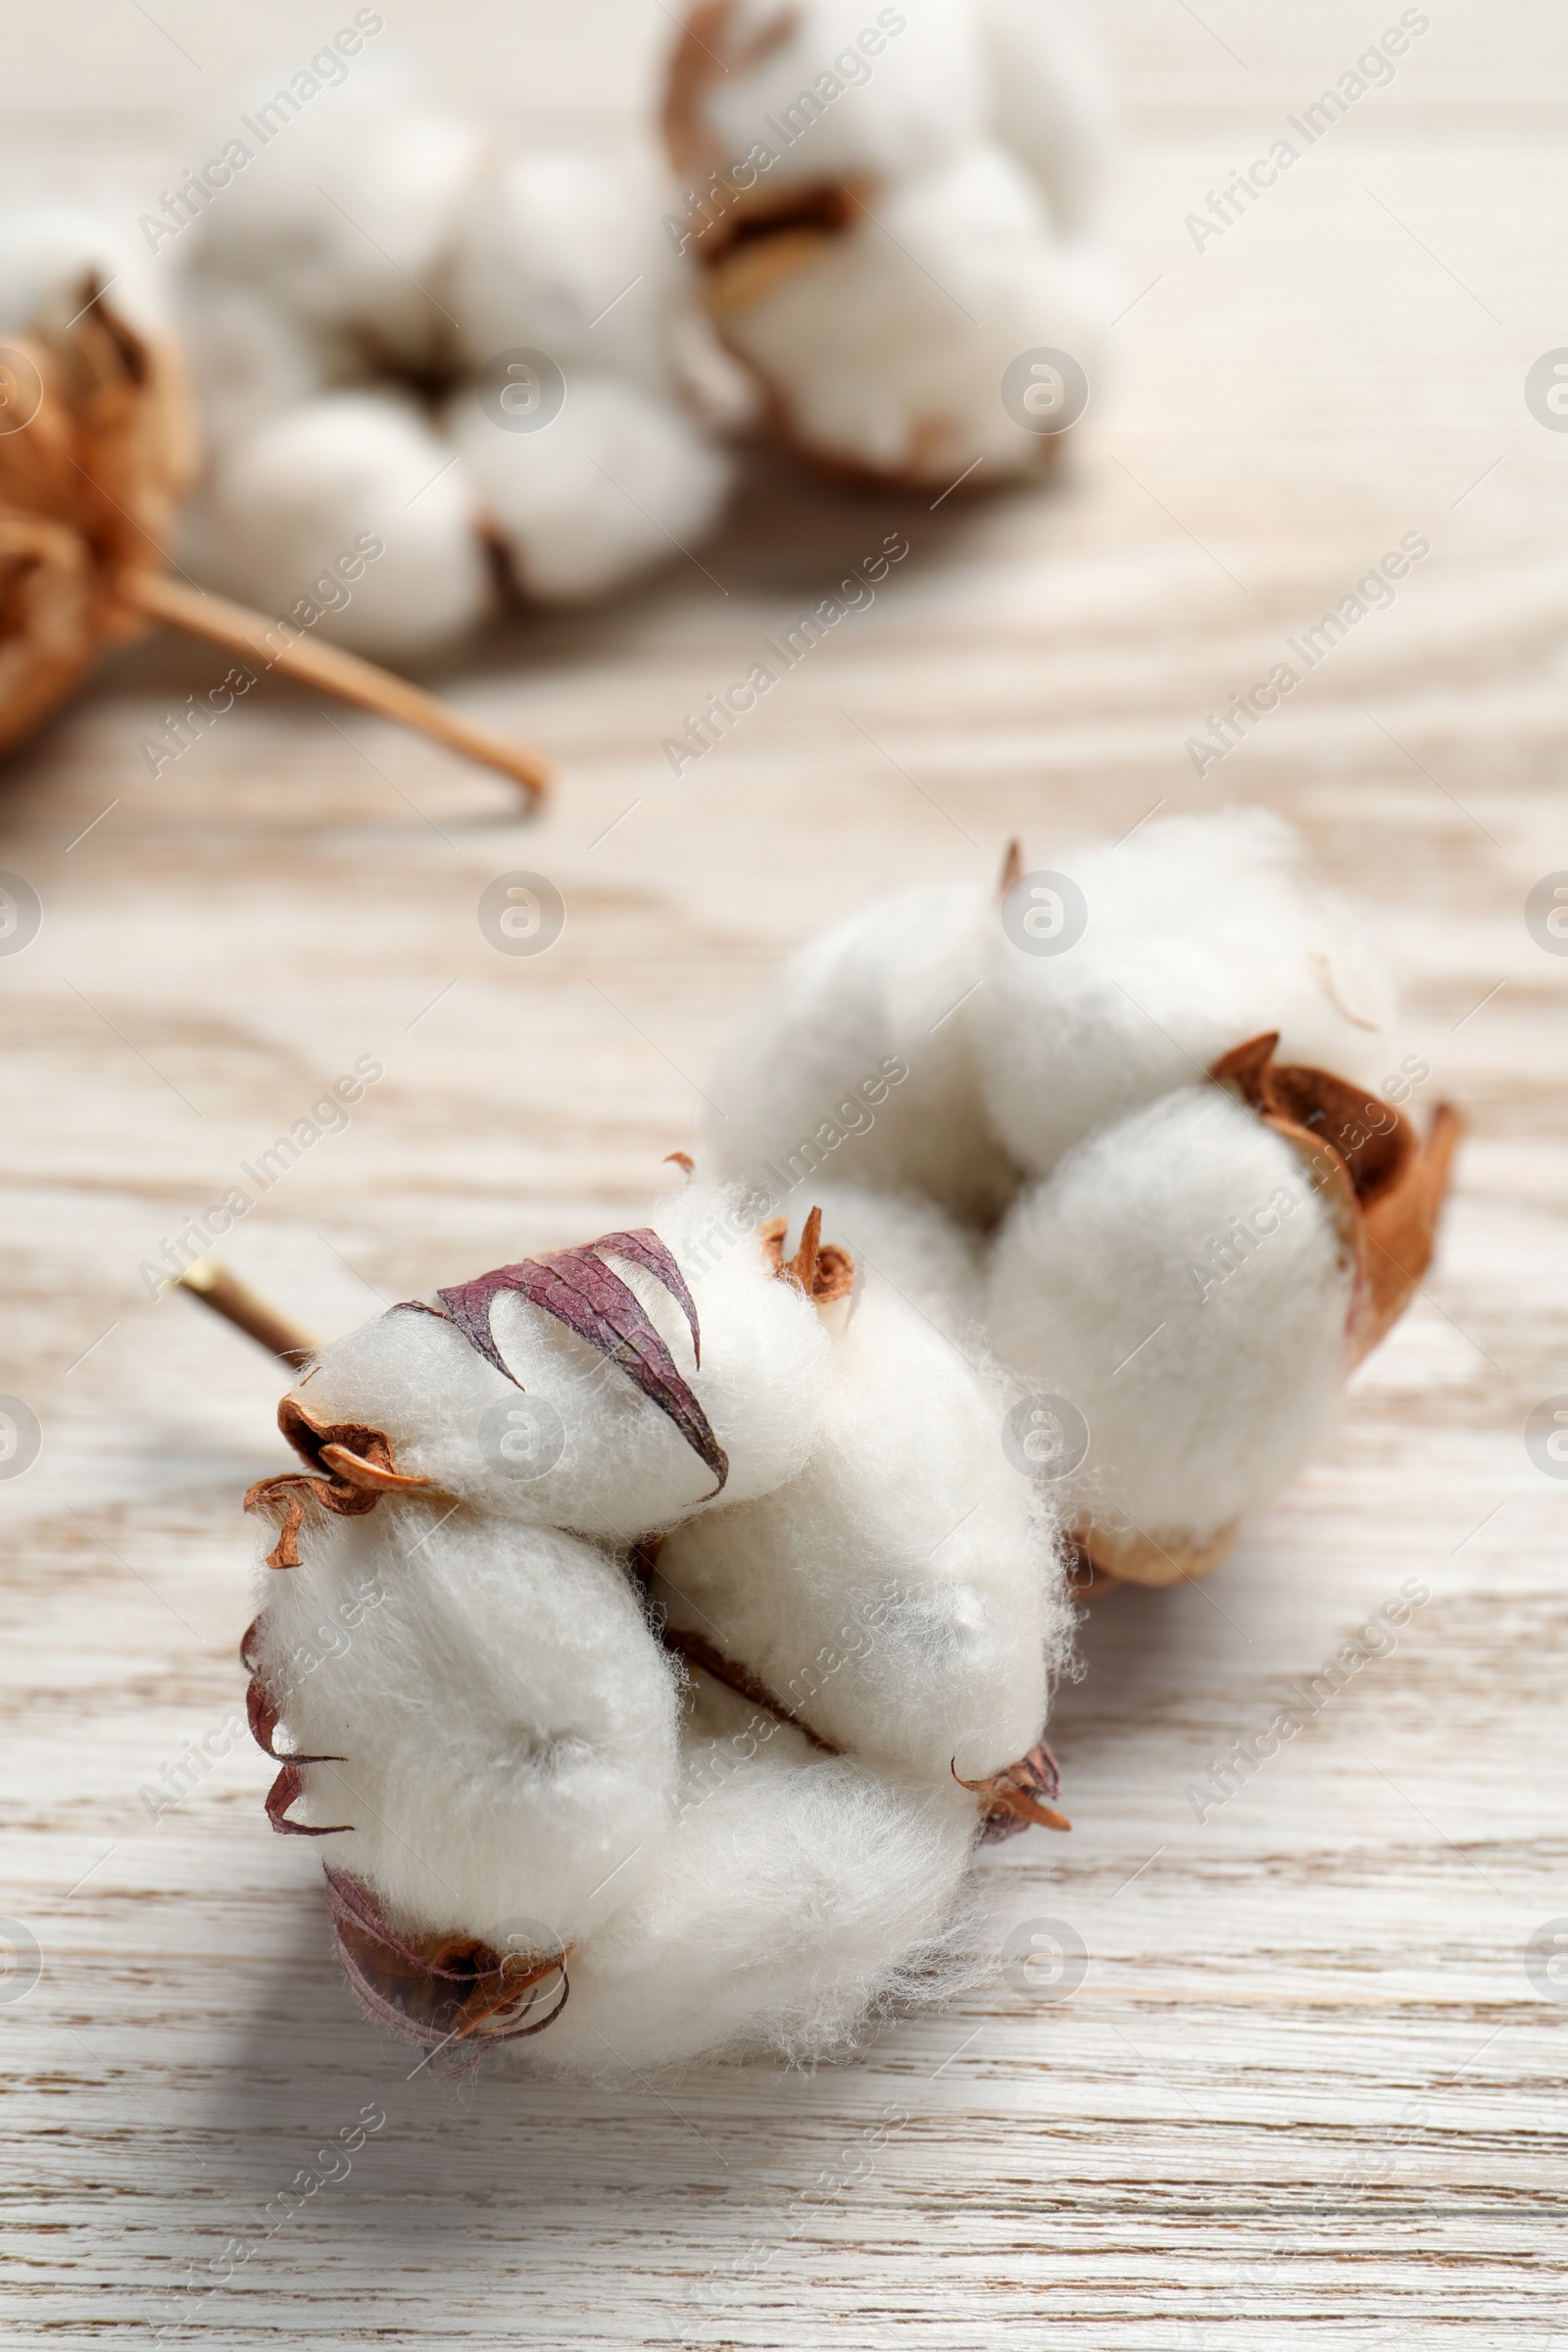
90	479
89	484
862	1063
1191	934
873	246
900	1596
916	97
567	254
1196	1282
476	1719
486	1394
345	217
506	1725
609	490
887	356
343	474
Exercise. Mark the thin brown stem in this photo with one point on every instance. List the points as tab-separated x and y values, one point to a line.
327	666
211	1281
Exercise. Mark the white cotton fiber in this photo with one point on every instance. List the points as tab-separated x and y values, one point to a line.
286	506
508	1726
1181	1283
861	1065
567	254
249	360
571	1442
619	483
802	84
1050	100
346	214
889	212
797	1894
889	350
900	1596
52	246
1202	932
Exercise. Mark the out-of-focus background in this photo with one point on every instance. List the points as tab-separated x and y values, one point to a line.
1308	2089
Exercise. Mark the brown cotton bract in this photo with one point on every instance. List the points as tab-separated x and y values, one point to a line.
1382	1184
98	450
1382	1188
89	485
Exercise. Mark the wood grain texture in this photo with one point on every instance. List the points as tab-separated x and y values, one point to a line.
1306	2094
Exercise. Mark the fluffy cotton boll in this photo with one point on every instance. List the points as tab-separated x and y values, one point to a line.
797	1897
1202	932
927	1257
351	485
886	342
51	247
249	360
572	1442
1050	100
345	214
1179	1281
507	1724
609	489
826	93
900	1596
567	254
860	1066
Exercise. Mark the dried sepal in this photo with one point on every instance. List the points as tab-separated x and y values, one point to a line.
263	1716
285	1791
1015	1797
1126	1555
1384	1187
577	1288
351	1469
88	490
821	1269
441	1988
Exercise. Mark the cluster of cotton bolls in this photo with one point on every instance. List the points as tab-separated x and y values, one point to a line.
699	1627
481	360
1148	1148
502	369
892	207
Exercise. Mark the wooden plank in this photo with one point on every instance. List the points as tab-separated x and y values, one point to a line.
1307	2092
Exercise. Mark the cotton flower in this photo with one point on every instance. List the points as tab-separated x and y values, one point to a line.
521	1789
889	215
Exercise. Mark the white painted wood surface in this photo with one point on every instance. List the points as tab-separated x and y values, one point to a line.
1308	2093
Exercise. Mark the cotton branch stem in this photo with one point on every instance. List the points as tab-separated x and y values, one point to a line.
233	626
211	1281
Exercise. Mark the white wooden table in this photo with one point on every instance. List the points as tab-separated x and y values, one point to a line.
1307	2092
